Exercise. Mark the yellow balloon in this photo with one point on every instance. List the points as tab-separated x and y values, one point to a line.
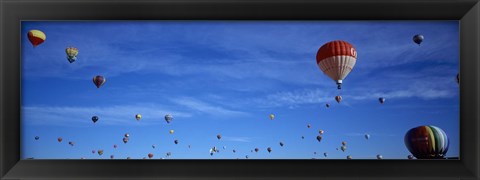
272	116
171	131
138	117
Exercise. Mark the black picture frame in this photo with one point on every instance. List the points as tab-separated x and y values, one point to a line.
12	12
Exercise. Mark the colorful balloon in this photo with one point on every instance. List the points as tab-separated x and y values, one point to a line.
256	149
319	138
272	116
349	157
99	80
336	59
321	132
114	146
127	135
338	98
308	126
427	142
100	152
171	131
59	139
36	37
125	140
150	155
138	117
72	53
343	148
93	151
269	149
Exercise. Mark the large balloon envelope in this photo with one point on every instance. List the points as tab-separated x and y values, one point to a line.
98	80
36	37
336	59
427	142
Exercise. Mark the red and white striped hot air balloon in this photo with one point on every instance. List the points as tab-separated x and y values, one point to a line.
336	59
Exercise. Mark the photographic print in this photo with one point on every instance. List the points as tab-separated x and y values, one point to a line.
342	90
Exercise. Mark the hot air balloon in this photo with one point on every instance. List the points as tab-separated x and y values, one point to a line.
150	155
246	157
111	156
71	143
171	131
234	151
59	139
315	152
349	157
308	126
336	59
176	141
281	144
319	138
36	37
272	116
168	118
37	138
458	78
269	149
343	148
344	143
303	137
99	80
153	146
338	98
138	117
125	140
325	154
114	146
95	119
327	105
427	142
127	135
418	39
224	147
100	152
382	100
321	132
367	136
410	156
169	154
72	53
379	156
93	151
219	136
256	149
129	157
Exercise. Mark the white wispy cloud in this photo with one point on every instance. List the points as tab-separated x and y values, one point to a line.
237	139
81	116
204	107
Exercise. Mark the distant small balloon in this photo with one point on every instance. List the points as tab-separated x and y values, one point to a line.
98	80
176	141
125	140
418	39
379	156
381	100
59	139
150	155
410	156
327	105
95	119
111	156
219	136
269	149
349	157
138	117
168	118
325	154
100	152
367	136
281	144
127	135
272	116
319	138
93	151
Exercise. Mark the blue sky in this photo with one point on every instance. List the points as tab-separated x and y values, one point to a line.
226	77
